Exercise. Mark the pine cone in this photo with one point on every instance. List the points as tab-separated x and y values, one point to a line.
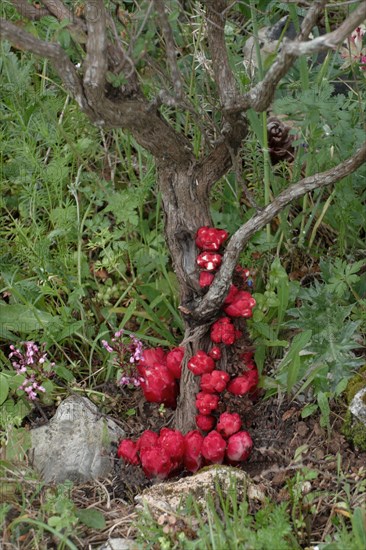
279	141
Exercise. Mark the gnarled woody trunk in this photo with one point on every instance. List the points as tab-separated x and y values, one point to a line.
186	207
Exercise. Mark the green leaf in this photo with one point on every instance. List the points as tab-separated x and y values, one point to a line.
91	518
4	388
309	409
359	526
64	373
23	319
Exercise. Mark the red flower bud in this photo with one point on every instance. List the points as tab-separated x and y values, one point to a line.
155	462
151	358
223	331
192	453
213	447
172	441
239	447
209	238
233	291
206	402
209	261
241	306
201	363
215	353
127	450
228	424
146	440
206	278
174	361
205	422
244	383
159	386
215	381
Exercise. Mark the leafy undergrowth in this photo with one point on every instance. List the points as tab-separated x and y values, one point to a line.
314	484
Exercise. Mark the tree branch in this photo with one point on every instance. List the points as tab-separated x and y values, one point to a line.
224	78
52	51
135	115
332	39
95	65
214	298
29	11
170	48
260	96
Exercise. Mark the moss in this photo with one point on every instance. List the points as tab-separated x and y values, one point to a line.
354	431
356	383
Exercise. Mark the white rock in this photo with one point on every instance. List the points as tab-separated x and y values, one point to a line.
166	497
358	406
75	444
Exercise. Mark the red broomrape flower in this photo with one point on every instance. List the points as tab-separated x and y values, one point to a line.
223	331
159	386
206	278
206	402
174	361
209	261
210	238
228	424
201	363
155	462
241	305
172	441
205	422
192	453
244	383
213	447
127	450
215	381
239	447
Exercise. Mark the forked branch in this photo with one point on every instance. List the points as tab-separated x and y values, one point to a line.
214	298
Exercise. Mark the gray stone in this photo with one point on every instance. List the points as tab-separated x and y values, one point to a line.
166	497
75	444
119	544
358	406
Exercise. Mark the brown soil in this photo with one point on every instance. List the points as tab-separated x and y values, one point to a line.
294	460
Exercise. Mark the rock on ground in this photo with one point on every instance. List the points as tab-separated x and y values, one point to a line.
166	497
358	406
76	444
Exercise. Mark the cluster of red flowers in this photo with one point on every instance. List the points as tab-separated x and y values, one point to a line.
171	451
